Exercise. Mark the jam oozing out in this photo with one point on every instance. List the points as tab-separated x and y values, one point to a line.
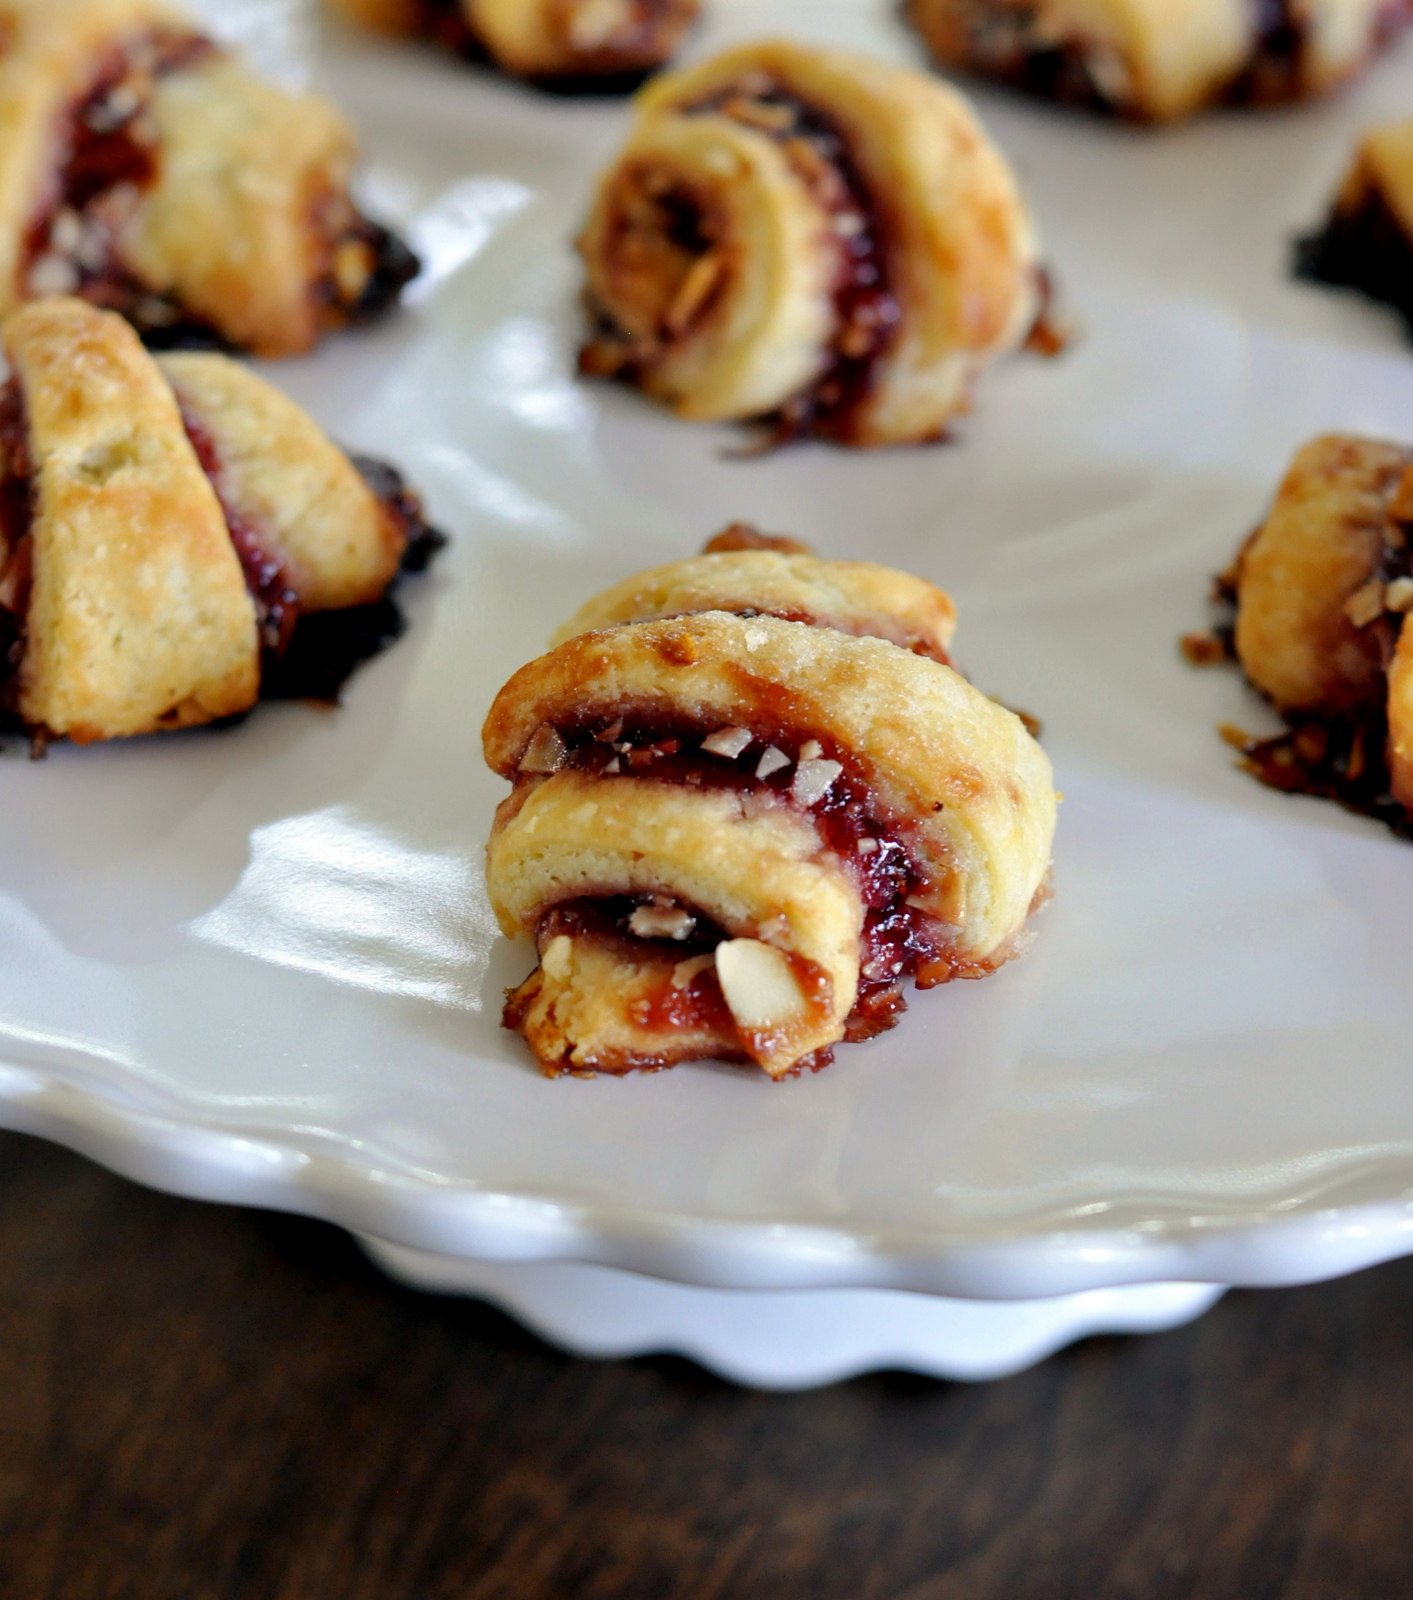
311	655
1364	247
899	941
328	646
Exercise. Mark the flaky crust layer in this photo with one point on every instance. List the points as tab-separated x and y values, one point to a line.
763	334
298	491
230	227
139	617
857	597
750	862
957	238
957	776
1321	542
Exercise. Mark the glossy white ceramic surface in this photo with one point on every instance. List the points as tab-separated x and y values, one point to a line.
259	965
793	1338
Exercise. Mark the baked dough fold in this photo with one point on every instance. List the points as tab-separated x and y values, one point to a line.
819	238
138	616
737	835
170	533
147	170
850	596
1159	60
570	43
1321	591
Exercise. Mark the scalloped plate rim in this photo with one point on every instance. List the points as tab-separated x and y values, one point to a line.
224	1165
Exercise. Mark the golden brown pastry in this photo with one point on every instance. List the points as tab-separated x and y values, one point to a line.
1367	241
146	170
737	830
1158	60
570	44
176	536
1320	592
812	237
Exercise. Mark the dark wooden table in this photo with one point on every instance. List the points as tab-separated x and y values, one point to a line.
198	1402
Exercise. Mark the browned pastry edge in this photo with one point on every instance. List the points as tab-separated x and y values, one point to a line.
108	155
778	751
307	656
1337	743
637	46
1009	41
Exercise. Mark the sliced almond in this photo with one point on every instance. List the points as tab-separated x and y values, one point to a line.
758	984
557	962
772	761
702	277
813	780
663	921
728	742
685	971
1365	603
592	24
811	750
546	751
1399	595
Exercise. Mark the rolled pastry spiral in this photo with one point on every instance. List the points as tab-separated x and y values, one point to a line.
176	537
1155	61
1321	591
818	238
741	819
145	169
566	43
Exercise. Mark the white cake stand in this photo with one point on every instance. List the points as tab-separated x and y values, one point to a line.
793	1338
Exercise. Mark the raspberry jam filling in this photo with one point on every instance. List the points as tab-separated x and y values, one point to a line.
674	991
899	941
304	656
16	517
686	1000
866	309
311	655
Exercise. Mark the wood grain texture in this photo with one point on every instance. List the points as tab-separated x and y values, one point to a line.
199	1403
